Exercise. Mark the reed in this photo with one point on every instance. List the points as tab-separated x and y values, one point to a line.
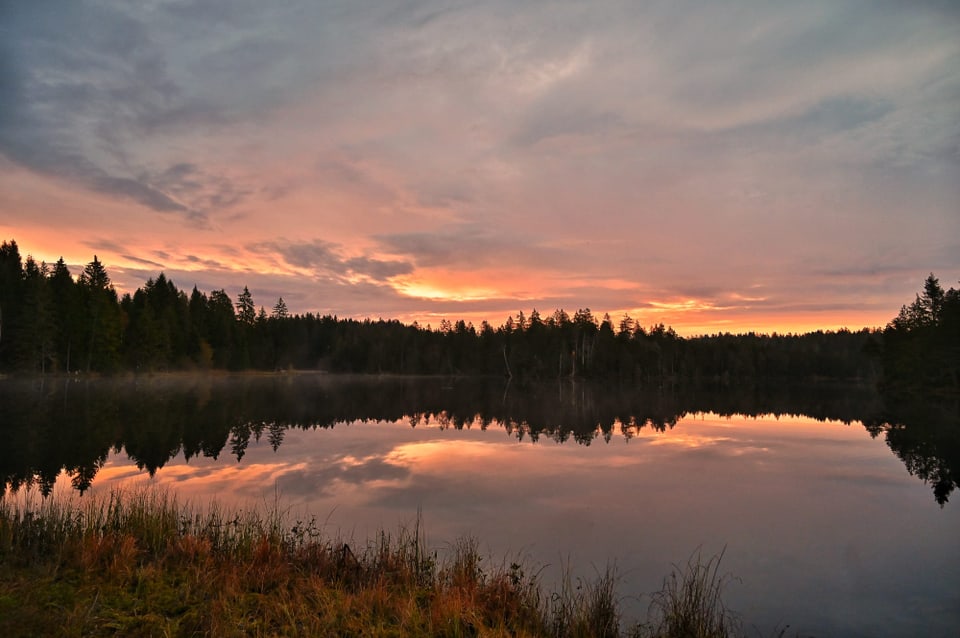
140	564
588	609
690	604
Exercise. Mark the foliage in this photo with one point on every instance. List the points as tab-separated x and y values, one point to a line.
690	605
921	345
53	323
139	564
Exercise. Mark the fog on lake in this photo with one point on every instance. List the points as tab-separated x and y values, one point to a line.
833	507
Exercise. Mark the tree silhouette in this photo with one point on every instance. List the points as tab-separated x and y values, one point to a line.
246	311
11	296
160	327
921	345
36	341
101	322
280	309
67	314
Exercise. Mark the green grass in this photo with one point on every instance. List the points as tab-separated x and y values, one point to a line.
139	564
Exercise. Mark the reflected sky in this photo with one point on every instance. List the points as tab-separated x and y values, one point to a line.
824	527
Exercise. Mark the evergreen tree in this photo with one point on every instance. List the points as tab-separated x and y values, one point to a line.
921	345
67	315
221	328
36	339
246	311
280	310
101	328
11	300
246	318
199	349
925	310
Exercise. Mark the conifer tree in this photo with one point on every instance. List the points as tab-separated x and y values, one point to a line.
280	310
36	339
11	299
102	320
67	315
246	310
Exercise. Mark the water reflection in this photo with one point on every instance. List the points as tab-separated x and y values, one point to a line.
74	426
824	526
925	435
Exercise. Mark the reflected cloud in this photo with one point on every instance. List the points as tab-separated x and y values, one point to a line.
370	473
689	440
646	485
399	434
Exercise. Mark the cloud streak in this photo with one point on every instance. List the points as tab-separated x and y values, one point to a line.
431	158
325	258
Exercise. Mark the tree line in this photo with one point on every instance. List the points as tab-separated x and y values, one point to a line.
51	321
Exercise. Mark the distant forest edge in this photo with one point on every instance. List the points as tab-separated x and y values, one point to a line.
51	322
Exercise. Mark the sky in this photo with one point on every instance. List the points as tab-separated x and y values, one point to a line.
718	167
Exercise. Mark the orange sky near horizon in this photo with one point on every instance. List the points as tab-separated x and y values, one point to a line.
687	316
510	290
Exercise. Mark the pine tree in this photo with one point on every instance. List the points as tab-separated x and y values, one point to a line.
36	341
246	310
102	320
11	299
280	310
221	327
67	315
199	348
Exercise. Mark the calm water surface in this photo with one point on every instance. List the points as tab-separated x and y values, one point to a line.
834	509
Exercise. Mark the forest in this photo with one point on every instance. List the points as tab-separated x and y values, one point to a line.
54	322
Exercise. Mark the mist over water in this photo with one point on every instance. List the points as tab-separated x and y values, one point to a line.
833	507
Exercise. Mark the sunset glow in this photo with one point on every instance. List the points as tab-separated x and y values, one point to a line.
714	168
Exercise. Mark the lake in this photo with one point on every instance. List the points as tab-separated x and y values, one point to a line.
833	509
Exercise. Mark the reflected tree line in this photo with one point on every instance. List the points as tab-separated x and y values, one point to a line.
925	435
54	322
51	321
58	425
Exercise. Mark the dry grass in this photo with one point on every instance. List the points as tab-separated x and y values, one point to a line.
690	604
139	564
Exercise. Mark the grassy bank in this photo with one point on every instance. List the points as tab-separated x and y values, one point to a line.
139	564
